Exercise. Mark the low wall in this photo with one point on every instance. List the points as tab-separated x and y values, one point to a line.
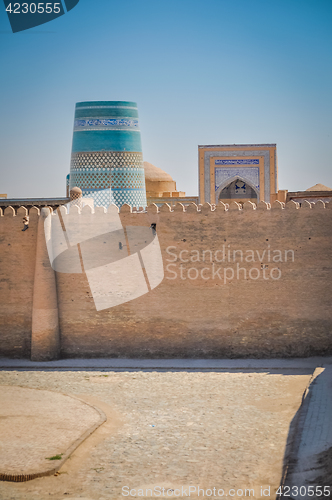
238	283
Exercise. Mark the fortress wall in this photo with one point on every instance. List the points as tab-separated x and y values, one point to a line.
211	316
208	317
17	268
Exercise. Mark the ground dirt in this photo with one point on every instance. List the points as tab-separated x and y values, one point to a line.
173	430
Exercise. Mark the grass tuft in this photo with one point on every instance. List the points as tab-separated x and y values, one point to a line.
56	457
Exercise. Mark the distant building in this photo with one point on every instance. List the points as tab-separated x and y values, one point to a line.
28	203
106	160
238	172
312	194
161	188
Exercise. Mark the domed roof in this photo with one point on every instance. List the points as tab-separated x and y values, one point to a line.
319	187
76	190
153	173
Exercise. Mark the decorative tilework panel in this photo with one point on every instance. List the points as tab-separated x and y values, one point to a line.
101	197
134	197
238	153
104	197
249	173
237	162
106	124
107	159
127	178
99	141
110	177
106	113
93	170
94	180
108	106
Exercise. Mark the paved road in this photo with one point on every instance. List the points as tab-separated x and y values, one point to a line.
176	423
171	429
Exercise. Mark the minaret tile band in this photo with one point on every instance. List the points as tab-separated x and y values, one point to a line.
106	161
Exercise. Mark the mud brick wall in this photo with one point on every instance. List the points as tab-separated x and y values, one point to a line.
17	269
268	308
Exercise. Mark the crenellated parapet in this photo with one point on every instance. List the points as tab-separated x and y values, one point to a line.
21	210
207	209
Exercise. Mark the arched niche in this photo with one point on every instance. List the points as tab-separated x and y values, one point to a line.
237	189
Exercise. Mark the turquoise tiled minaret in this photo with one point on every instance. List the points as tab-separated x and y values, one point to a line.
106	160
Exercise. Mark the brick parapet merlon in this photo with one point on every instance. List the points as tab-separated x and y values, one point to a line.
222	209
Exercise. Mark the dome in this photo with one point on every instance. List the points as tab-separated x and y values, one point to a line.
76	190
319	187
155	174
75	193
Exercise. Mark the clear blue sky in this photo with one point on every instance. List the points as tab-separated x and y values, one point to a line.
202	72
